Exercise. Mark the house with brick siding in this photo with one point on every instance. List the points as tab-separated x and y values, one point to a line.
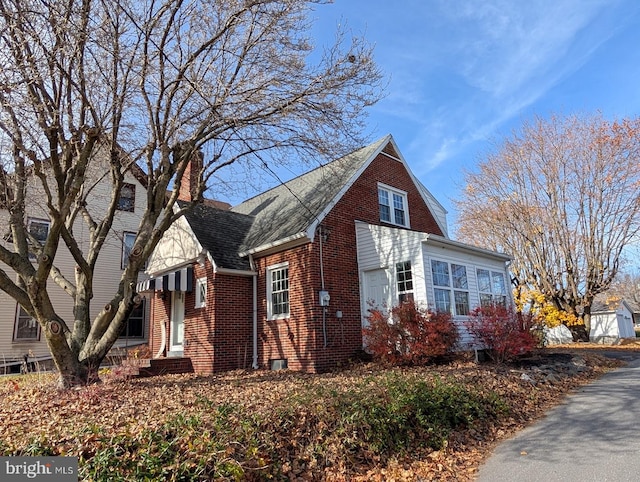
286	278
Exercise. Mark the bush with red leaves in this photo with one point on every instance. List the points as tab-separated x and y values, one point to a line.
503	332
409	334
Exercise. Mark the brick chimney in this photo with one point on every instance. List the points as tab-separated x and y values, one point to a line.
192	176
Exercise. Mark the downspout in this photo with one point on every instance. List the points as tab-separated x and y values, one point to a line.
163	329
324	308
254	365
163	339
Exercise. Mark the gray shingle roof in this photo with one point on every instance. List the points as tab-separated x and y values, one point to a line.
284	212
288	210
221	232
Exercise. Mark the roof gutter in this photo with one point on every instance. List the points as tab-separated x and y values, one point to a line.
435	240
278	245
235	272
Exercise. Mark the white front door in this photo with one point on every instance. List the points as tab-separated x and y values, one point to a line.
177	321
376	291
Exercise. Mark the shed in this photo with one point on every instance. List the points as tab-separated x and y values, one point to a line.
611	321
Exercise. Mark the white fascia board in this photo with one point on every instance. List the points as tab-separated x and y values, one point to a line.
311	230
294	240
235	272
176	267
435	240
425	194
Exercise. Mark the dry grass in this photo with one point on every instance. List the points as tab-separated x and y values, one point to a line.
36	417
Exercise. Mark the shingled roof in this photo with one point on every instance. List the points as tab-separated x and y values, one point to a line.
221	232
284	213
289	210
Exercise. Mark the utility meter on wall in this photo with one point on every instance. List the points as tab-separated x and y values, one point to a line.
324	298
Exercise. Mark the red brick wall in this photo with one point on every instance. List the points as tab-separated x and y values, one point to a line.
234	322
361	201
296	338
219	337
199	325
301	338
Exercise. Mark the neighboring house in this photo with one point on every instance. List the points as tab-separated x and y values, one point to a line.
635	308
20	335
611	321
286	278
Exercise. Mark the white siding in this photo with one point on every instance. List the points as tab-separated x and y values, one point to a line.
381	247
472	261
177	247
610	326
436	209
108	268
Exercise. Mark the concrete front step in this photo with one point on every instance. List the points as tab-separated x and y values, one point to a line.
165	366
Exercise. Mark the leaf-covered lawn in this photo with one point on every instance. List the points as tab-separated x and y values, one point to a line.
367	423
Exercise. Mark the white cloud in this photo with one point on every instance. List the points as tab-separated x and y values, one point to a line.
495	59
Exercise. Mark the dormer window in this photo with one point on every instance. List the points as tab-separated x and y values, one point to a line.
393	205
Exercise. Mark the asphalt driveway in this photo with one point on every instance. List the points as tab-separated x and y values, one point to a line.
593	436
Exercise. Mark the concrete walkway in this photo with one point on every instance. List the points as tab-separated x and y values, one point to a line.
593	436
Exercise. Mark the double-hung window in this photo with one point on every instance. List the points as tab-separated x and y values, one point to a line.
393	205
26	328
278	291
404	280
450	287
491	287
39	229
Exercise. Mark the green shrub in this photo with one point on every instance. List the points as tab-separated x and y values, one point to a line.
375	418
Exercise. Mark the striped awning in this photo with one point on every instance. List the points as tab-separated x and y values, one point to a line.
181	280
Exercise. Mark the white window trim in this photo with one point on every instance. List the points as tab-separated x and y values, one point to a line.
493	295
270	315
201	302
391	191
405	292
31	220
450	288
40	221
132	186
124	261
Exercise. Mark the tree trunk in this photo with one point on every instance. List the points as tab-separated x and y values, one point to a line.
72	372
579	332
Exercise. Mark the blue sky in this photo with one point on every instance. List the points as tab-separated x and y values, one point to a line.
466	73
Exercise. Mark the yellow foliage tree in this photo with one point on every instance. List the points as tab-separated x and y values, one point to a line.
542	310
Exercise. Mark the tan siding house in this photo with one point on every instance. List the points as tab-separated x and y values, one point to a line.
19	335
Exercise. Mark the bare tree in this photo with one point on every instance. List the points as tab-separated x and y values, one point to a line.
562	197
152	84
626	286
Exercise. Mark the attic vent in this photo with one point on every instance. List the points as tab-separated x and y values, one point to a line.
389	150
278	364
